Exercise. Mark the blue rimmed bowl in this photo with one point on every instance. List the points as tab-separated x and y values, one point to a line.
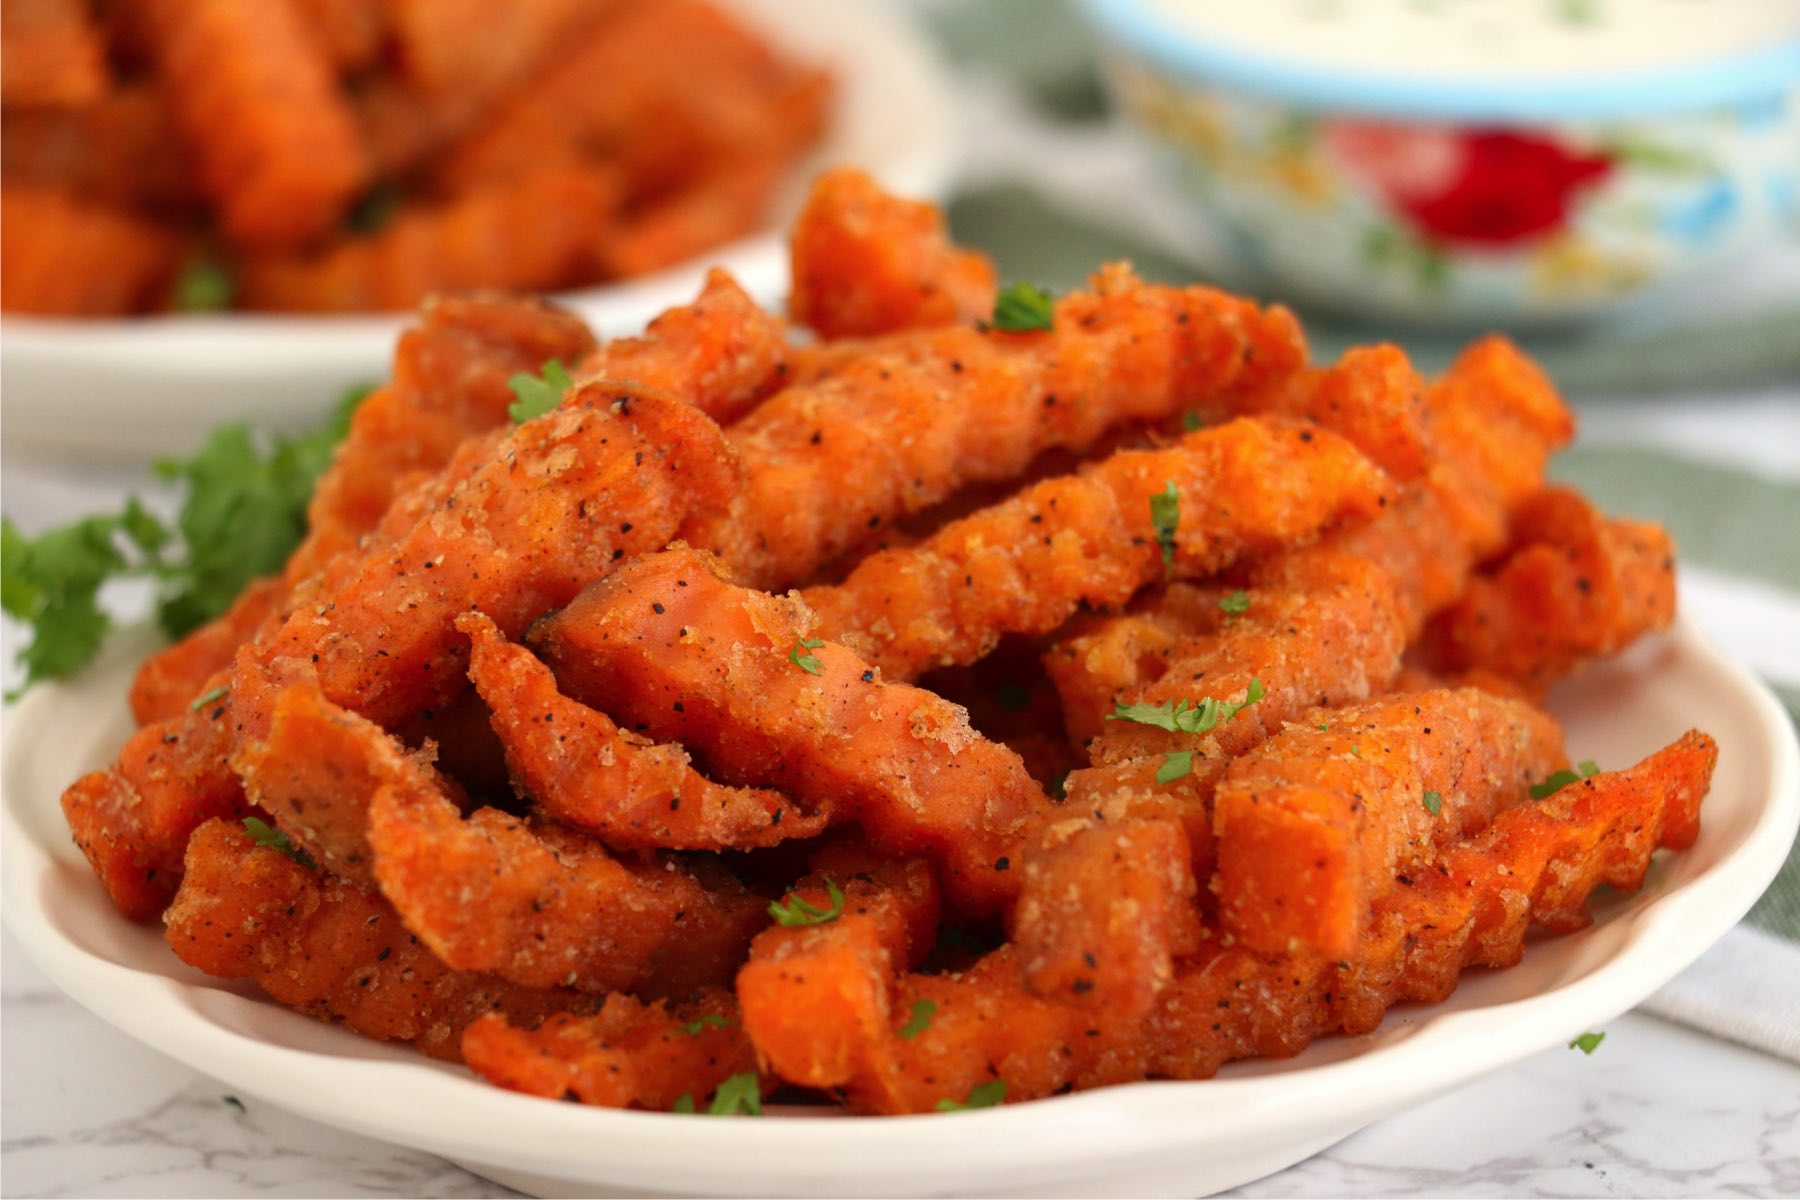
1408	190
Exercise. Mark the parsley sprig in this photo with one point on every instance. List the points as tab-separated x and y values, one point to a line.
706	1021
797	913
242	511
1182	716
537	394
1165	518
741	1093
807	662
920	1021
1587	1043
1558	780
982	1095
1023	308
264	834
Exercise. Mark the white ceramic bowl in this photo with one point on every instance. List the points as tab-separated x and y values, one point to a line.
1139	1139
155	385
1529	193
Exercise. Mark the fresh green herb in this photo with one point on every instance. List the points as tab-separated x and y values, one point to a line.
1190	420
684	1103
807	662
982	1095
207	697
1355	750
1059	787
1012	696
241	513
797	912
1578	12
1165	516
204	285
371	214
1176	766
1023	308
1587	1043
709	1021
264	835
1434	803
1237	602
1324	728
1180	716
235	1103
537	394
1559	780
742	1093
922	1012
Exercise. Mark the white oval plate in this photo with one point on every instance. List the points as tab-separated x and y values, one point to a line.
156	385
1139	1139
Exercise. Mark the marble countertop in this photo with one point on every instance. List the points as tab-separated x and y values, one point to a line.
1658	1110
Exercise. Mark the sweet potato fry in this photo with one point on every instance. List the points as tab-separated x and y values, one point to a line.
353	32
627	1055
259	108
626	790
729	202
926	414
1025	566
737	677
67	257
867	263
479	47
1313	825
535	232
1575	585
118	151
50	54
330	948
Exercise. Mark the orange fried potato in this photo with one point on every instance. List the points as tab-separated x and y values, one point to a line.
867	263
535	232
50	54
1313	825
922	415
1575	585
118	151
1026	565
583	770
729	202
627	1055
259	108
67	257
330	948
480	47
353	32
736	676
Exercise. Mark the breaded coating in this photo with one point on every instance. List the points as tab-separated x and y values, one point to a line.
1024	566
627	1055
118	151
1142	789
259	107
69	257
51	55
534	232
730	202
866	263
583	770
1574	585
736	676
436	53
330	948
353	32
541	905
923	415
723	353
1313	825
1536	864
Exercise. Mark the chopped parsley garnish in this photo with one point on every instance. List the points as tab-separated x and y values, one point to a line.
1176	766
537	394
684	1103
265	835
204	285
1559	780
1237	602
741	1093
206	698
1165	516
709	1021
982	1095
1587	1043
807	662
1180	716
797	912
1434	803
1190	420
922	1012
1023	308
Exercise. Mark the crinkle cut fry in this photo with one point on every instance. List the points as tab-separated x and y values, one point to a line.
1313	825
868	263
50	55
255	97
583	770
449	383
330	948
541	905
537	514
734	675
733	201
118	151
1575	585
1537	863
924	414
478	47
627	1055
1024	566
69	257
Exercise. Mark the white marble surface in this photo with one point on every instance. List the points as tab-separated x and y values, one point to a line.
1658	1110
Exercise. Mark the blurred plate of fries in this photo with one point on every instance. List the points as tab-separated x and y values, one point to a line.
124	387
1151	1138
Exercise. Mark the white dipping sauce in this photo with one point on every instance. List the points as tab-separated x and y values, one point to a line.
1480	40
